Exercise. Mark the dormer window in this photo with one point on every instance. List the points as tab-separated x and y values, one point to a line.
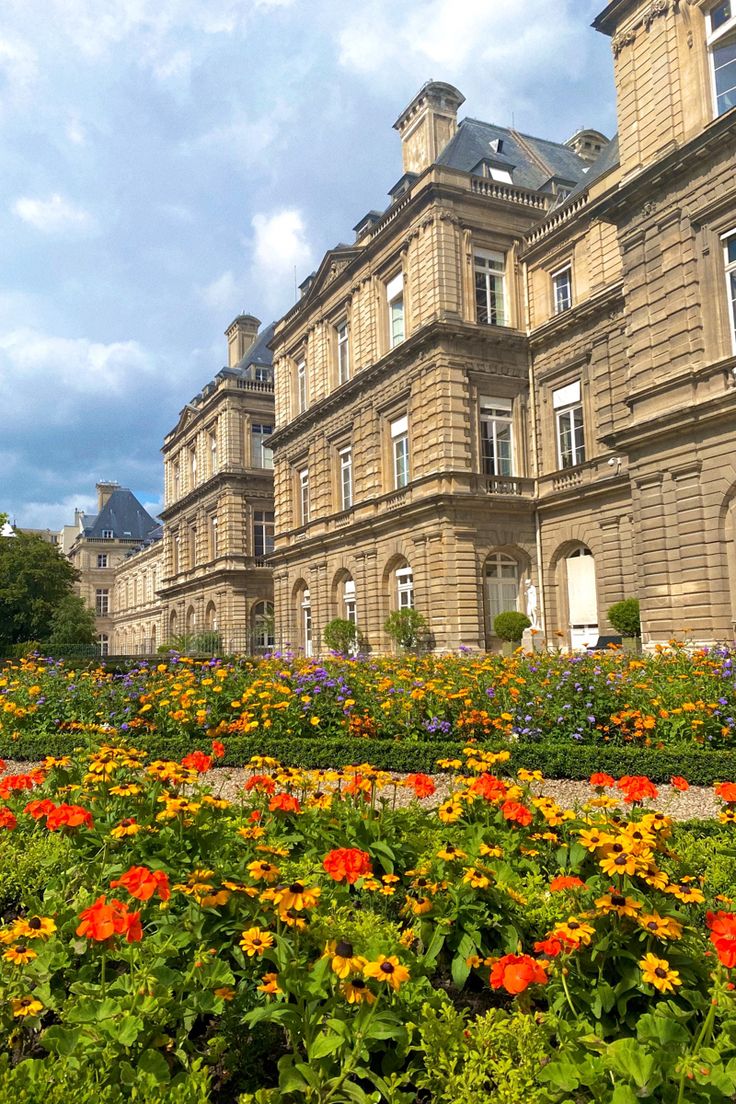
503	176
722	51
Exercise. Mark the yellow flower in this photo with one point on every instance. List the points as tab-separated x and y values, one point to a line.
296	896
357	991
656	971
449	853
475	879
125	789
225	992
261	871
26	1006
20	954
344	960
254	941
593	838
618	903
270	984
127	827
34	927
688	894
388	970
449	812
663	927
575	931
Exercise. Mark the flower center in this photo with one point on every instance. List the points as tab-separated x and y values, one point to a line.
296	887
618	900
344	950
34	923
660	973
387	967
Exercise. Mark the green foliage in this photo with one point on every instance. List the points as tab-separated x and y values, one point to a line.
341	636
72	624
207	643
34	579
624	616
407	628
59	1080
510	626
27	863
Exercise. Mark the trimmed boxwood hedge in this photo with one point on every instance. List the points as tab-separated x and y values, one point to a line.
555	760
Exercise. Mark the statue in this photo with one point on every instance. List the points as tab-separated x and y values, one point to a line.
531	603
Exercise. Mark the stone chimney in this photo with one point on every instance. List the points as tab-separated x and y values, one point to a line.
428	124
241	335
104	490
587	144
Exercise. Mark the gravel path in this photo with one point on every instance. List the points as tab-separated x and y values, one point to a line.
699	802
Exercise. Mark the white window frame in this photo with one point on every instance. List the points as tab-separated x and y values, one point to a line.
501	176
502	584
108	534
213	451
396	310
103	643
495	415
342	331
725	34
491	265
405	588
729	240
346	477
562	302
261	455
193	466
102	559
263	533
306	608
214	537
102	602
400	451
567	404
302	390
304	496
349	601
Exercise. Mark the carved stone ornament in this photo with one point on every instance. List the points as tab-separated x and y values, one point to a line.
655	9
623	38
335	269
659	7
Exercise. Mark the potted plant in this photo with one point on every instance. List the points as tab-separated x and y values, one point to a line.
342	636
509	628
407	628
625	618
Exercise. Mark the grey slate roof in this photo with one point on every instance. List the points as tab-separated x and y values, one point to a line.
259	354
122	515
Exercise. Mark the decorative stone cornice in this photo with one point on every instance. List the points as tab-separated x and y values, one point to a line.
625	38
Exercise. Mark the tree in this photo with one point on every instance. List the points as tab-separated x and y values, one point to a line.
406	627
510	625
625	617
34	579
72	624
342	636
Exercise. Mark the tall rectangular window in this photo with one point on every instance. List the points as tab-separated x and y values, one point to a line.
102	602
496	436
722	52
729	248
193	466
261	455
343	352
102	559
400	450
263	533
177	480
301	386
490	288
175	553
304	495
562	289
192	543
212	443
405	588
214	537
568	408
396	320
346	478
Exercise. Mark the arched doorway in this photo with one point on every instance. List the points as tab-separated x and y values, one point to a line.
263	637
502	584
582	599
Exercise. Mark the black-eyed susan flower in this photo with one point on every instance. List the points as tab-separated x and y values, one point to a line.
657	972
343	959
388	970
20	954
297	896
127	827
262	871
618	903
450	853
254	941
34	927
662	927
270	984
356	991
688	894
26	1006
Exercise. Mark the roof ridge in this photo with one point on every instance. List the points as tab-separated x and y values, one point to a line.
518	133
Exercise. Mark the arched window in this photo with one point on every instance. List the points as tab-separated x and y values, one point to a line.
502	584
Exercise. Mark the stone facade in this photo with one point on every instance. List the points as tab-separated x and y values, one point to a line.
524	370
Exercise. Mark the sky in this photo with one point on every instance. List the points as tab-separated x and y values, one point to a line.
168	164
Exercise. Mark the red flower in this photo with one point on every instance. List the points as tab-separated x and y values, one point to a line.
727	792
142	883
7	818
679	783
489	787
218	749
636	787
565	881
198	761
284	803
513	810
101	921
422	784
605	781
347	864
723	935
39	807
260	782
19	782
256	815
551	947
515	973
68	816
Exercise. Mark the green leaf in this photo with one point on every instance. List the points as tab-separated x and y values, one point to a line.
459	970
623	1094
324	1045
61	1040
661	1029
290	1080
436	944
562	1072
127	1031
632	1061
154	1063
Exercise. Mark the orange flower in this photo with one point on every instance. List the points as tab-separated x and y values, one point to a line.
516	812
39	807
565	881
260	782
218	749
551	946
142	883
605	781
198	761
422	784
727	792
68	816
347	864
636	787
722	927
284	803
679	783
515	973
489	787
7	818
102	920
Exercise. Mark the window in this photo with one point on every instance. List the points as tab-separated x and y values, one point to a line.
307	623
348	597
102	602
108	534
567	404
405	588
192	545
562	289
193	466
304	495
263	375
263	627
102	559
502	584
263	533
395	300
175	548
301	386
490	288
496	436
400	449
722	50
212	441
214	546
729	248
343	352
346	478
503	176
103	643
262	457
177	480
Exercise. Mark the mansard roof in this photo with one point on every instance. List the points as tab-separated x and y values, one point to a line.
123	516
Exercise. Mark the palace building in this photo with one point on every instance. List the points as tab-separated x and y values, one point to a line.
523	371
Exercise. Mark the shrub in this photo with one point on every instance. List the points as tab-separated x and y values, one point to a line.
341	635
510	626
406	627
624	616
27	864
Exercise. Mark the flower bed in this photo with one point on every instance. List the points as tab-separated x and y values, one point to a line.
311	941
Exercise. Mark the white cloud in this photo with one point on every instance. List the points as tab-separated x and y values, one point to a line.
75	132
54	215
280	247
222	294
52	515
18	69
